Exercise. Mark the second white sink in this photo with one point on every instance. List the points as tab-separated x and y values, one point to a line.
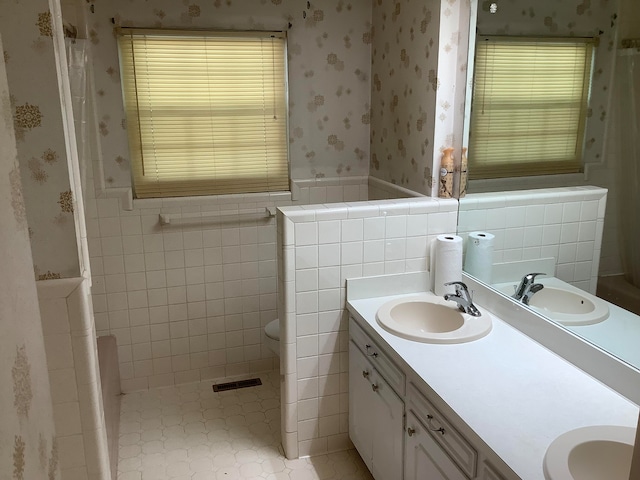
431	319
591	453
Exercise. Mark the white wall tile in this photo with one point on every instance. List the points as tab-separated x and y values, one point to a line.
569	232
193	239
111	245
307	280
589	210
329	277
307	257
532	236
567	253
440	223
352	230
131	225
306	233
329	231
329	300
534	215
551	234
110	227
351	253
153	243
571	212
587	231
553	214
194	258
154	261
396	226
417	225
374	228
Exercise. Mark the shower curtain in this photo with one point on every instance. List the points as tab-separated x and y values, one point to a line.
628	165
77	65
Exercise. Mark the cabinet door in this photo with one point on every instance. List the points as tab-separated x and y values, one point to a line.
425	459
361	409
388	435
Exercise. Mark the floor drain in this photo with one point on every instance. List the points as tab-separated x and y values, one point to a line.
223	387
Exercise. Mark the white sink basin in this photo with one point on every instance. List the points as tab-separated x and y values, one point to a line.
571	308
431	319
591	453
565	304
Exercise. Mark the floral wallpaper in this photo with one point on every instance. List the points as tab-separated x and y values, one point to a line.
577	18
418	58
26	26
403	92
329	50
27	436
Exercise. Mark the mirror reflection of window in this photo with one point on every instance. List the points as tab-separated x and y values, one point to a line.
530	104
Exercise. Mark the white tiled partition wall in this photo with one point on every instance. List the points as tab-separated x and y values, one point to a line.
561	223
76	394
189	301
318	248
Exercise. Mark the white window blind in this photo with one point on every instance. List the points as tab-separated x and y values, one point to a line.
529	106
206	112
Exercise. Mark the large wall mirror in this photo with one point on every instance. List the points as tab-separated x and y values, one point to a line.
563	202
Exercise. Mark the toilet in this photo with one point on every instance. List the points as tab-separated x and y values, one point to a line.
272	331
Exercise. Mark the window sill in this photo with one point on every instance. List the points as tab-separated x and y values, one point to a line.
210	200
526	183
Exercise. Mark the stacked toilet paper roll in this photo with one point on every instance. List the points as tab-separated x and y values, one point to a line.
478	260
446	262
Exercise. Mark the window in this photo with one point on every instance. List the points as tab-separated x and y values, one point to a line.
529	106
206	112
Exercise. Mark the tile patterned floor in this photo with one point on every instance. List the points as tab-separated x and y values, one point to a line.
188	432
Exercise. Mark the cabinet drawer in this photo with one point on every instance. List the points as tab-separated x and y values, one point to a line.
443	432
391	373
424	457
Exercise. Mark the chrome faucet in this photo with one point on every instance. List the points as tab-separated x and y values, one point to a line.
463	298
528	288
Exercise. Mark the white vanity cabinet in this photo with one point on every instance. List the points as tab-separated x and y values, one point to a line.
376	418
396	429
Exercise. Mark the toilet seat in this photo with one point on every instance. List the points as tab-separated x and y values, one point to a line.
272	329
272	332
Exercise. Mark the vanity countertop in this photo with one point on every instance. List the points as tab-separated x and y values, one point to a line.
516	395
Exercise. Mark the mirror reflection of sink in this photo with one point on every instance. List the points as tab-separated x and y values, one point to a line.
568	307
431	319
565	304
561	301
591	453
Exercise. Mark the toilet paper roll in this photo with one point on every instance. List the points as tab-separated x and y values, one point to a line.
478	260
446	262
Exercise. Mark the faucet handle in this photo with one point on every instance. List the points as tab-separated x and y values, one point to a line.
460	284
461	287
532	276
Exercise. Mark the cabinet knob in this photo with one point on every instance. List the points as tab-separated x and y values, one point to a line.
411	431
373	354
374	387
365	373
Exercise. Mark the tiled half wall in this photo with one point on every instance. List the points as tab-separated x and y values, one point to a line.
561	223
76	394
319	247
